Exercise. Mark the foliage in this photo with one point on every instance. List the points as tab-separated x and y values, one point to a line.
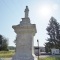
11	47
3	43
54	35
1	38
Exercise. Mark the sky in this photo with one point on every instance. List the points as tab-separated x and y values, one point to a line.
40	12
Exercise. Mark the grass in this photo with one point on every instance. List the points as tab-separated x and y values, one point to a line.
9	54
50	58
6	54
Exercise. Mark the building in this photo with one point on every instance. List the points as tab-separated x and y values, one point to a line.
55	51
41	49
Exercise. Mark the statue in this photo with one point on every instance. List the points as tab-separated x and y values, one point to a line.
26	12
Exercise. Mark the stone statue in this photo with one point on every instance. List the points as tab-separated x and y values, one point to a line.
26	12
25	33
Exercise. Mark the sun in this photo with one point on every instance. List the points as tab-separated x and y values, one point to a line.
45	10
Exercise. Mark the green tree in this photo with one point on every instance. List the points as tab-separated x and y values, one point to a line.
1	38
3	43
54	34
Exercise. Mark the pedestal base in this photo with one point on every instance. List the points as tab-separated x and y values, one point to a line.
18	57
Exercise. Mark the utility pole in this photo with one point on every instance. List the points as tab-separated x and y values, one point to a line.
38	48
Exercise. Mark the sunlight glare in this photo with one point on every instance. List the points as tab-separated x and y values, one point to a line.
45	11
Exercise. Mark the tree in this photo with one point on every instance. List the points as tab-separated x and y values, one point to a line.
54	35
1	38
3	43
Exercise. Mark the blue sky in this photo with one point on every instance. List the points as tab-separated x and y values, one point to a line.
40	12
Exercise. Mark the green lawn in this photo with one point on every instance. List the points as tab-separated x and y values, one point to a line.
6	54
50	58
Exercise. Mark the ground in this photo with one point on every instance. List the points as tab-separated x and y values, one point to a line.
7	55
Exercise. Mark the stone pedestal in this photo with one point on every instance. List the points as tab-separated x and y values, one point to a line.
24	41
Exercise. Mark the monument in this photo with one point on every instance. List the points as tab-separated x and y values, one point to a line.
24	40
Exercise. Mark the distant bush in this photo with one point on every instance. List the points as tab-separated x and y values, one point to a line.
11	47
